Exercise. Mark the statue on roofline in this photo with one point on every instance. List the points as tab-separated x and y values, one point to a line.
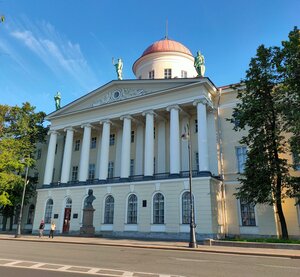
119	67
199	64
57	99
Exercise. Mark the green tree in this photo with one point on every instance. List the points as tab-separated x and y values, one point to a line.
20	129
266	178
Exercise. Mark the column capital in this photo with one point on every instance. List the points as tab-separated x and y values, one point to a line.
69	128
175	107
105	121
54	132
148	112
127	116
86	125
203	100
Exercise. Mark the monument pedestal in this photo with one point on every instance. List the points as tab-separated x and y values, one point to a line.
87	228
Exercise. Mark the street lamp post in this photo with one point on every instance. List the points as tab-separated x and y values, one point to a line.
18	233
193	242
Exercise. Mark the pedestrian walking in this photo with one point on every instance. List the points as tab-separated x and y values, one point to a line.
41	228
52	229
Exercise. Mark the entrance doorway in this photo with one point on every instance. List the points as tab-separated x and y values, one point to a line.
67	216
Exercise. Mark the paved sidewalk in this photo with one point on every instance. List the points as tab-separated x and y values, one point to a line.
163	245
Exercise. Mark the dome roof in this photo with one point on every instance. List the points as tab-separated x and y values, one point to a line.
167	45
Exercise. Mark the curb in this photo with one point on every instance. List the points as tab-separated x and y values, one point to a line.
160	247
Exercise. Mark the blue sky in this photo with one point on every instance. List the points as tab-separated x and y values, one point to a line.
68	45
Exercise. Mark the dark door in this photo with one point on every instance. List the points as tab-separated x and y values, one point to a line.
67	218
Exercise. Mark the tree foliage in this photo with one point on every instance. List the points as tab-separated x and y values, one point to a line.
269	109
20	129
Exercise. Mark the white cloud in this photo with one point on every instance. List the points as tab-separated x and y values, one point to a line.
56	52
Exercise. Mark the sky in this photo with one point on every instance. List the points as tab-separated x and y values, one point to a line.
68	45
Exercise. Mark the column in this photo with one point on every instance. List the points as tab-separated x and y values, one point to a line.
119	138
184	145
202	134
66	166
97	169
85	153
139	151
50	157
149	143
125	153
104	152
174	139
161	145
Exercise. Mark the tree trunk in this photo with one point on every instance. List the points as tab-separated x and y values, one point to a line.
4	222
284	230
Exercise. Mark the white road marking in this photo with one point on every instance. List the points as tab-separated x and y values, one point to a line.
202	261
70	268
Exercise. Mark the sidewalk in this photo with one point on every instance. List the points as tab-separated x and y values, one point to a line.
163	245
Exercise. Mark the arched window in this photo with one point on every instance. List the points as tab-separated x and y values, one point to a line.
132	209
186	207
48	211
69	203
158	209
30	214
109	210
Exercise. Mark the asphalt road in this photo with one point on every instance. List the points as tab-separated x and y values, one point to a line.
22	258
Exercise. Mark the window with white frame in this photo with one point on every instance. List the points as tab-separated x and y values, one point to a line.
186	207
183	74
56	146
30	214
112	138
77	145
93	142
110	169
168	73
53	175
132	137
154	165
109	210
48	211
196	126
69	203
197	160
39	154
131	167
158	209
296	161
151	74
241	156
74	173
132	209
91	171
247	213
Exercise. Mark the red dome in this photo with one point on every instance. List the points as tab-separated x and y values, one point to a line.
167	45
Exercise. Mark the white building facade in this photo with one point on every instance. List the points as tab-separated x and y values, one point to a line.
123	141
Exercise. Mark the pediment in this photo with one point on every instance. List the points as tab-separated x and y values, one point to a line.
115	92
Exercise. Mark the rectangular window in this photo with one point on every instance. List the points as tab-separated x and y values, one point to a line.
93	142
183	74
151	74
154	164
91	171
132	137
39	154
56	148
296	161
110	170
196	126
168	73
77	145
197	160
247	214
131	167
74	173
154	133
241	156
112	138
53	175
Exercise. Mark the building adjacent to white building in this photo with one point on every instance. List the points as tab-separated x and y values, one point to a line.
123	141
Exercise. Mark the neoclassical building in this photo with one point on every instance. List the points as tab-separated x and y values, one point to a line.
124	141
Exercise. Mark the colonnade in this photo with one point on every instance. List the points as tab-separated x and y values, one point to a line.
144	139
